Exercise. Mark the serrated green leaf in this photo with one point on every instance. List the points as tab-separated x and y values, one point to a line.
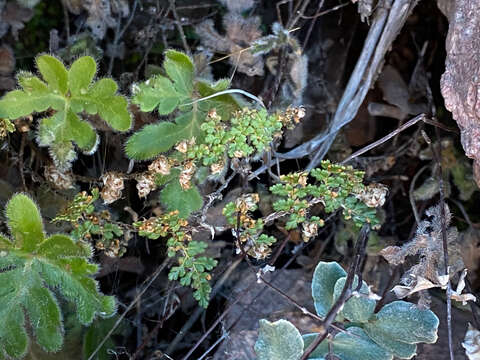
279	340
13	335
323	284
54	73
31	263
18	103
152	140
81	74
179	67
185	201
351	345
63	244
67	92
25	222
157	92
81	132
44	315
356	309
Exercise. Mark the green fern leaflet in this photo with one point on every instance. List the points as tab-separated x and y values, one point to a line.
35	268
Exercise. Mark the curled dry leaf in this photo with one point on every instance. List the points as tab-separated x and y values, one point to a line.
428	245
13	16
100	13
112	187
59	179
457	294
471	343
240	32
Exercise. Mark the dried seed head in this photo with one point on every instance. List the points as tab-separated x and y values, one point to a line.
160	166
59	179
217	167
309	230
187	174
145	184
373	195
112	187
182	146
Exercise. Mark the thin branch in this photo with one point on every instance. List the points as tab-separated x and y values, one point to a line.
180	28
229	91
437	157
373	145
148	282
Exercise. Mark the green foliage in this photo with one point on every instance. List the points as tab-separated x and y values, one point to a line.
249	132
393	331
278	341
185	201
90	225
352	345
192	268
68	93
336	187
178	90
32	265
248	230
397	327
95	333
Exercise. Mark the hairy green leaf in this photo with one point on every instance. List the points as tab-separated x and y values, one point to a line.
180	92
31	261
152	140
180	69
279	340
69	92
185	201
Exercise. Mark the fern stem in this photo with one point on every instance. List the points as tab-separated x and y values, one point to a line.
230	91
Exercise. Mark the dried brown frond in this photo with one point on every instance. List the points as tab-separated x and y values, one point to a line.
428	246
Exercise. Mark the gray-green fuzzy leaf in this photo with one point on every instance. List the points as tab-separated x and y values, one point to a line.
323	284
402	322
351	345
279	340
356	309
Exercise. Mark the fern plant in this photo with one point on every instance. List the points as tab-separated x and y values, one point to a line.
336	187
90	225
393	331
192	269
178	94
34	268
67	93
